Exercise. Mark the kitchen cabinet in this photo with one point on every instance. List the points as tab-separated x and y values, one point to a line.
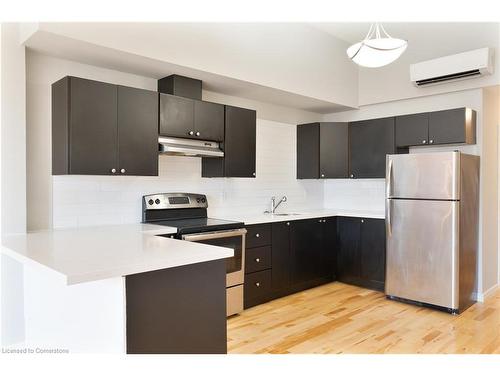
281	260
137	131
103	129
238	146
308	254
179	310
452	126
412	130
322	150
361	252
194	119
369	143
258	265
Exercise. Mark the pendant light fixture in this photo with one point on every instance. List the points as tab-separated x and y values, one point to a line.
377	49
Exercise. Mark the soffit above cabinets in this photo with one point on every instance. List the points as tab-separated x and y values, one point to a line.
301	87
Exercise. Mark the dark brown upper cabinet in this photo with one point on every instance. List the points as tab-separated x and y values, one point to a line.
103	129
322	150
238	146
369	143
451	126
412	130
188	118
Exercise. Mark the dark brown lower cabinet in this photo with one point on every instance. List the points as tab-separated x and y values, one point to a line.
178	310
361	252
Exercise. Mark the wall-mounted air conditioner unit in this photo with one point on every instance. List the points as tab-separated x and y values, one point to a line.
476	63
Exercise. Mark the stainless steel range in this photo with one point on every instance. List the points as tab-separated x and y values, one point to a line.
188	213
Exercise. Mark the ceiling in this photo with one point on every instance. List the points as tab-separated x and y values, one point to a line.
426	39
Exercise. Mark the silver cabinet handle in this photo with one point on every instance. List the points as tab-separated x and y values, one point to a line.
191	132
197	134
113	170
431	141
122	170
320	221
257	260
362	221
257	284
253	174
424	141
257	235
288	223
352	176
322	175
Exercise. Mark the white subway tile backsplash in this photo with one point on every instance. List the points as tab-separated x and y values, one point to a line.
96	200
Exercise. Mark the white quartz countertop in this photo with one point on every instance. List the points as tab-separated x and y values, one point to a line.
95	253
300	215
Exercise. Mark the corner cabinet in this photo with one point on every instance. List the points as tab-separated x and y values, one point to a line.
322	150
238	146
103	129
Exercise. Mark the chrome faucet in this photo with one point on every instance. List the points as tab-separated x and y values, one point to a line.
275	205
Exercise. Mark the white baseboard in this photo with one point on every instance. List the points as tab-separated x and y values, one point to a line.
480	297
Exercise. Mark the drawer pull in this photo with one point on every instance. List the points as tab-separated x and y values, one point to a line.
257	235
257	284
257	260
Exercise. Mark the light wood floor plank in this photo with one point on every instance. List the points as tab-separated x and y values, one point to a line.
340	318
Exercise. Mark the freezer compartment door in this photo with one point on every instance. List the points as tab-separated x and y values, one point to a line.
423	176
422	251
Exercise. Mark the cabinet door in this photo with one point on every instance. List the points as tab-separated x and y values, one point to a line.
209	121
306	244
280	258
373	253
370	141
330	247
412	130
176	116
239	142
334	153
447	126
93	127
308	151
348	251
137	131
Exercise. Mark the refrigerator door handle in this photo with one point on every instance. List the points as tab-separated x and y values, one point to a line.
388	180
388	204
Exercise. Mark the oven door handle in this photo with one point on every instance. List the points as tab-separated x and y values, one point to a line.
213	235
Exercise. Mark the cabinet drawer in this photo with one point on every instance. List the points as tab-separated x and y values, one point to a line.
257	259
258	235
257	287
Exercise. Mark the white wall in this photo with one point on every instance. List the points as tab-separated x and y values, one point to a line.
12	177
392	82
63	201
361	193
291	57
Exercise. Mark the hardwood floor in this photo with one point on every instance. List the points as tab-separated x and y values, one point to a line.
340	318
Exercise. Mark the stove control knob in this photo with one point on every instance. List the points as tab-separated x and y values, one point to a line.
198	200
157	201
150	201
203	200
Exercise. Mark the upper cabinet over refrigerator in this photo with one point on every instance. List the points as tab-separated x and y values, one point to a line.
424	176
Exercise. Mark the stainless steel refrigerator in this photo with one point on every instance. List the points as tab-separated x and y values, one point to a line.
432	204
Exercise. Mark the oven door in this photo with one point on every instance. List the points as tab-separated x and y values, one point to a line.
233	239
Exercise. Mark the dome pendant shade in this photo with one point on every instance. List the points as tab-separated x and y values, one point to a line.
376	50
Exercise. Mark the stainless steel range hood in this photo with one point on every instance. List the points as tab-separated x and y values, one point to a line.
189	147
